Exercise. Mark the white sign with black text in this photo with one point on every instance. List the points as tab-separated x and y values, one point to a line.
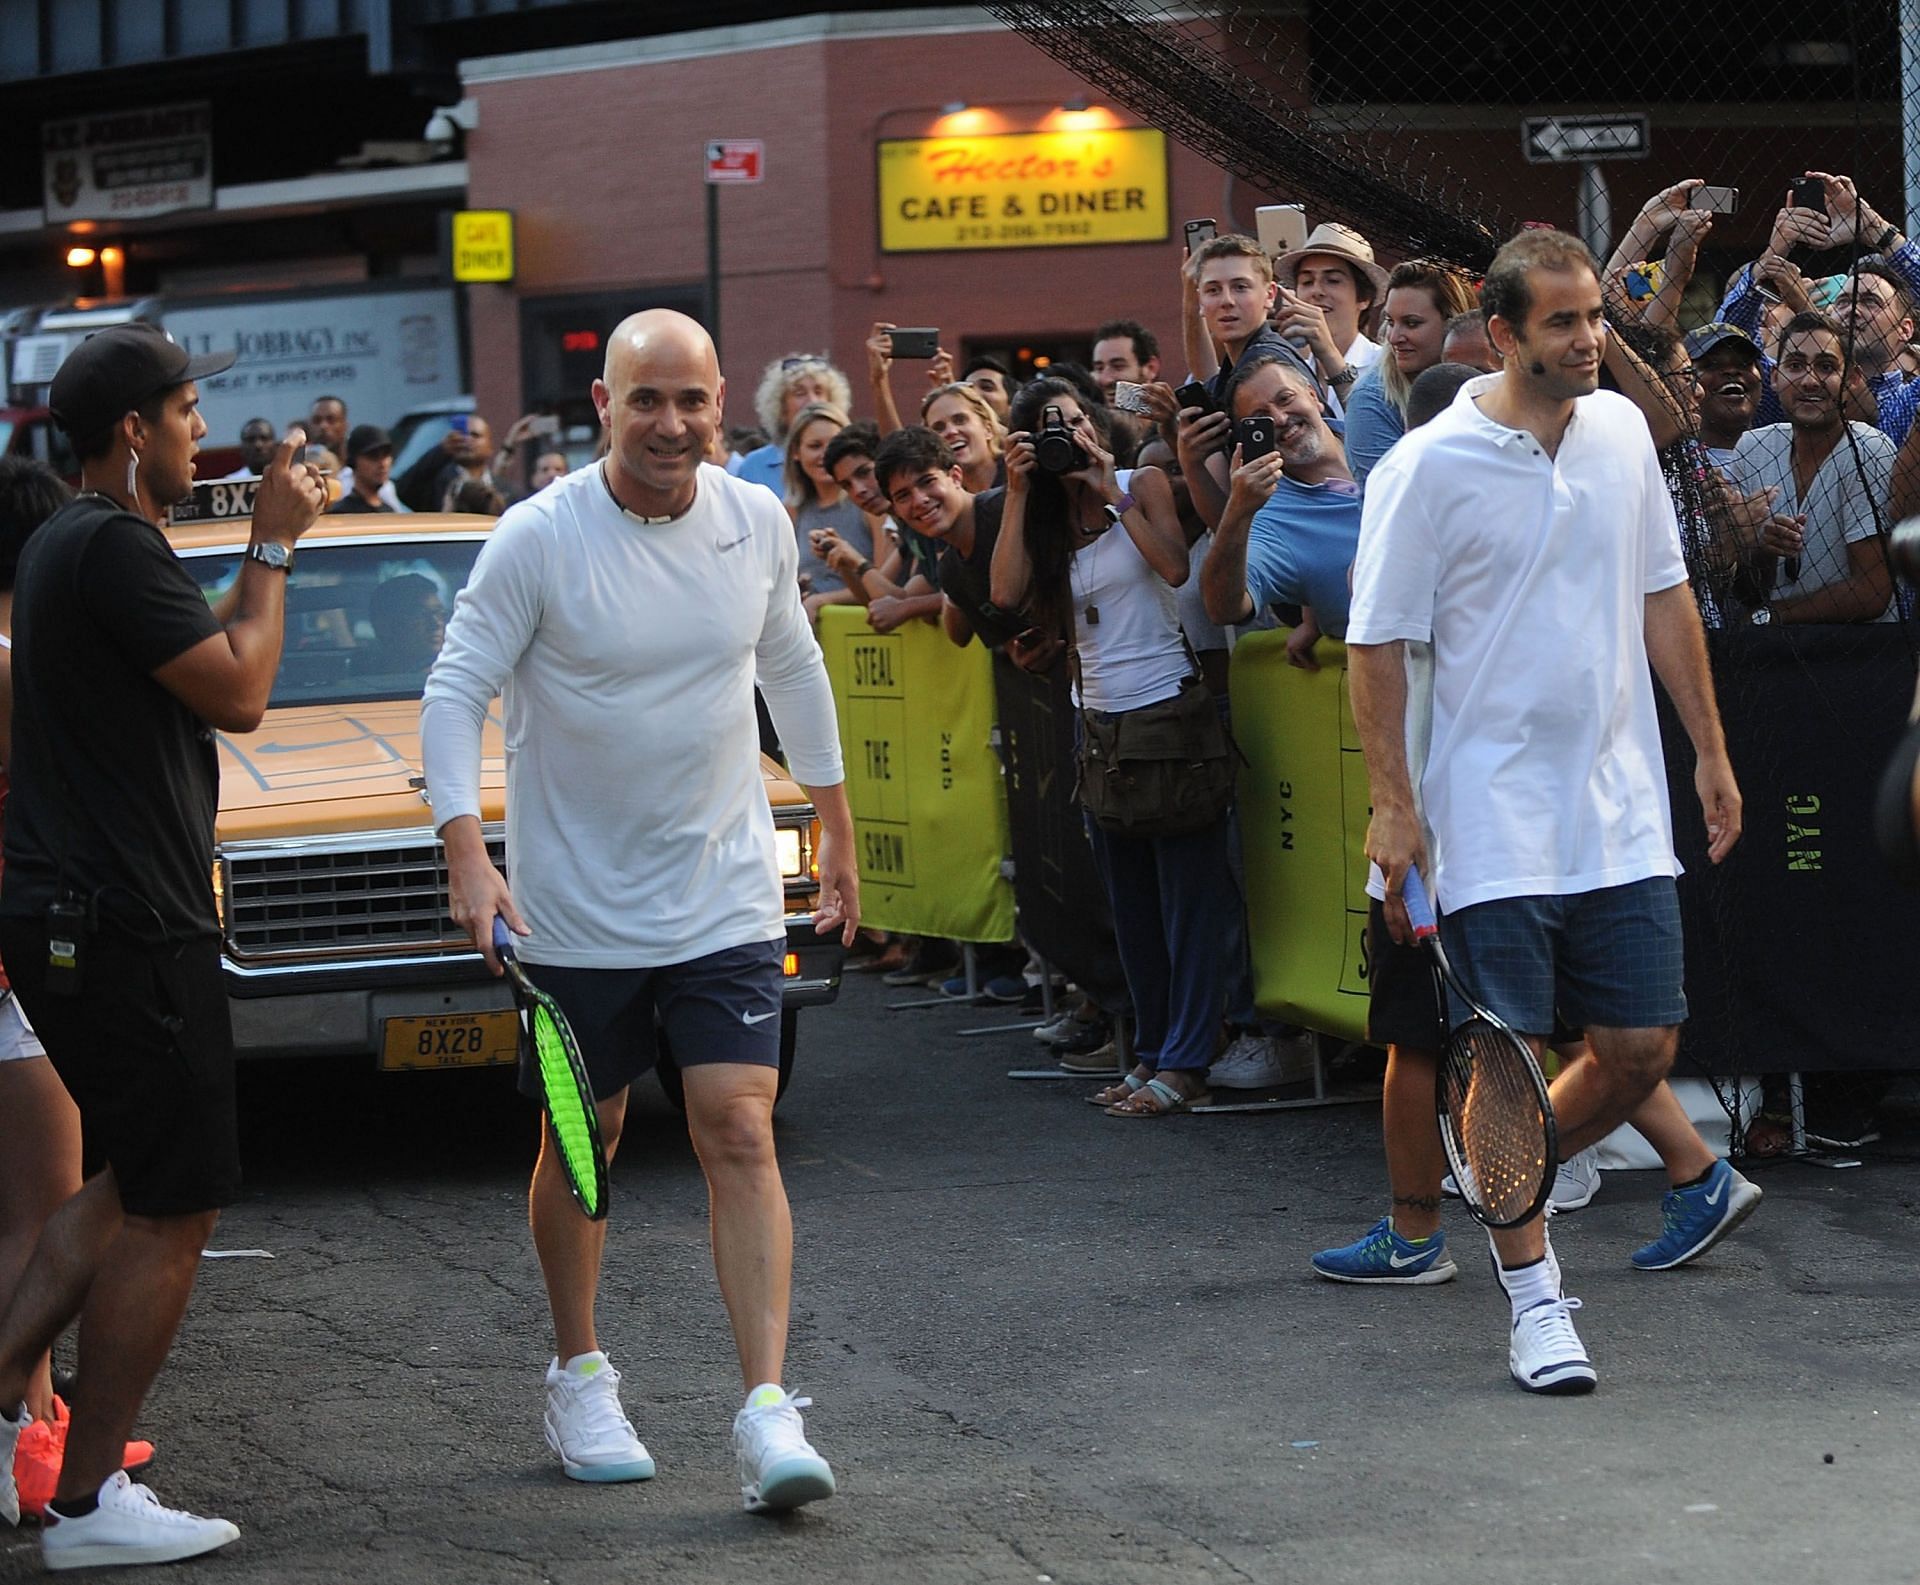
128	164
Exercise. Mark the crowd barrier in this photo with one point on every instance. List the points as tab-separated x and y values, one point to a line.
1800	947
929	807
1303	822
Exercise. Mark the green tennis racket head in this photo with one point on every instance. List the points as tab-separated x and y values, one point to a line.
570	1109
564	1086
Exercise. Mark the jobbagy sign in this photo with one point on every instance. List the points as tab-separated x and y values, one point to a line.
1023	190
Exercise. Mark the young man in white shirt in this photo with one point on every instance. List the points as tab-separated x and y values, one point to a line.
628	611
1527	535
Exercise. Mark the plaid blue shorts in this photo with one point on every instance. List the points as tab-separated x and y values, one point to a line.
1610	957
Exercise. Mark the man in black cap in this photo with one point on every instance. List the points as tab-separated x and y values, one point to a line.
1731	370
369	461
122	672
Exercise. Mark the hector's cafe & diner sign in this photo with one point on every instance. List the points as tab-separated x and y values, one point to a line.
1023	190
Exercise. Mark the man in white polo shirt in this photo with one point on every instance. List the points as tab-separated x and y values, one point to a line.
1526	534
627	612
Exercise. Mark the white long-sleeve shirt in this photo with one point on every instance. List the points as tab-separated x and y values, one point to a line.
626	651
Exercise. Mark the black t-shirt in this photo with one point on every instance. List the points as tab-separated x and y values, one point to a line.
350	502
114	781
967	580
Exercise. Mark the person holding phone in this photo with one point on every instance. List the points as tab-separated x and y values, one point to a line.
1329	287
465	452
1100	564
1292	520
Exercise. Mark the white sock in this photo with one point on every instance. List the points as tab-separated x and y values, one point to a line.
1528	1285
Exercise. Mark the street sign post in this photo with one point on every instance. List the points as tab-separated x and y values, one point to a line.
731	162
1586	141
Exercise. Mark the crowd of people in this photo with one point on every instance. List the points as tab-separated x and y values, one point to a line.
1416	461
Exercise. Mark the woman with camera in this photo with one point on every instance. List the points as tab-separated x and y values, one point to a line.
1097	562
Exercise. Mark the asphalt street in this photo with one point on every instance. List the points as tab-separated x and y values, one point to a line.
1046	1347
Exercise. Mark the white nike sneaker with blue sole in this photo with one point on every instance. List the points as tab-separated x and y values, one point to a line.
779	1468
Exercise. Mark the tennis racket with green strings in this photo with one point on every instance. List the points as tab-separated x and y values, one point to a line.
564	1086
1496	1120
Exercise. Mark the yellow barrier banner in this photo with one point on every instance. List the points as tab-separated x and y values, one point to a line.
929	806
1304	806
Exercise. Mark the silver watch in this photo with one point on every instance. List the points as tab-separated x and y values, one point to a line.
270	553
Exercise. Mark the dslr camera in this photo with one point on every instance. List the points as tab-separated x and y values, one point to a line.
1054	448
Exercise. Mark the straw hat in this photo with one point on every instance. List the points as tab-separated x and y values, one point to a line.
1336	241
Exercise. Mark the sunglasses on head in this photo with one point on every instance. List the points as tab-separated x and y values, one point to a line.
804	360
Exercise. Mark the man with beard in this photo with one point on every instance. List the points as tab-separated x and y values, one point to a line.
1832	479
1292	518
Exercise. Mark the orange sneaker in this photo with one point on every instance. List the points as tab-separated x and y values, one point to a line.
36	1467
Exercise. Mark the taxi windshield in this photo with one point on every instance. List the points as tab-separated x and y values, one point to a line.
364	621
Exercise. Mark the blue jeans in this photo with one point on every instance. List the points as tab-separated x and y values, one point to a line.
1172	898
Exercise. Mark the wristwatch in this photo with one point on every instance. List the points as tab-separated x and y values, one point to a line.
1885	240
1116	510
1347	375
270	553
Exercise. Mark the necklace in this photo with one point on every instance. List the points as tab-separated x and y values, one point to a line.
1083	590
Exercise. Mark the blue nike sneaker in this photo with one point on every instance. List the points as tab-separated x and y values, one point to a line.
1697	1218
1384	1256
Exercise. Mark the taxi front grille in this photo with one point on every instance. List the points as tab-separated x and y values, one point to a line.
383	894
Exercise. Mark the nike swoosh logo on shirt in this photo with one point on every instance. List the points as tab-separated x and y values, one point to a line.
758	1018
730	544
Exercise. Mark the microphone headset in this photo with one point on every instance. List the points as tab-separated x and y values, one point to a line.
1536	368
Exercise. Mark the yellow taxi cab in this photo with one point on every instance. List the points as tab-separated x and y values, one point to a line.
330	882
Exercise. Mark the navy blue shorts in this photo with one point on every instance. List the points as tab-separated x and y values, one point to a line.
723	1007
1610	958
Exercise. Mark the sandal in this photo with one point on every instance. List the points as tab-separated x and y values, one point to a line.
1157	1098
1114	1094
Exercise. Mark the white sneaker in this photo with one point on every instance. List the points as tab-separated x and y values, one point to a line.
1545	1353
778	1467
586	1426
1259	1062
9	1440
1576	1182
129	1526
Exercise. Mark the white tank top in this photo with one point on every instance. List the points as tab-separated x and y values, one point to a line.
1132	655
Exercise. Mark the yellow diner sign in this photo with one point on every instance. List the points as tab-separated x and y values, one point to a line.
1023	190
483	245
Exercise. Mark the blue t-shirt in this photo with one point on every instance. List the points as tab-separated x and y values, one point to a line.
1373	424
766	465
1300	546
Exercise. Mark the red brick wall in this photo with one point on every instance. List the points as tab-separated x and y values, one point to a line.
604	172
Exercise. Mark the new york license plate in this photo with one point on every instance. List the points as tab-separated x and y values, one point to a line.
449	1040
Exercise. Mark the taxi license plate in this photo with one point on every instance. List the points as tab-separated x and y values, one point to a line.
449	1040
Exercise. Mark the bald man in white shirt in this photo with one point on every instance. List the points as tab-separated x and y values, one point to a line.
625	614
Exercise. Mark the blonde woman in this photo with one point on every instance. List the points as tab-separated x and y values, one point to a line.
960	416
1422	295
818	505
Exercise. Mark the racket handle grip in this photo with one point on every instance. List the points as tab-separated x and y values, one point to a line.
1419	908
502	937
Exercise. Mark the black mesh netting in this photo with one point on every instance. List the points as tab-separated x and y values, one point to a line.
1406	123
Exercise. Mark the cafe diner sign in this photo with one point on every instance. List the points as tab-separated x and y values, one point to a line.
1023	190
